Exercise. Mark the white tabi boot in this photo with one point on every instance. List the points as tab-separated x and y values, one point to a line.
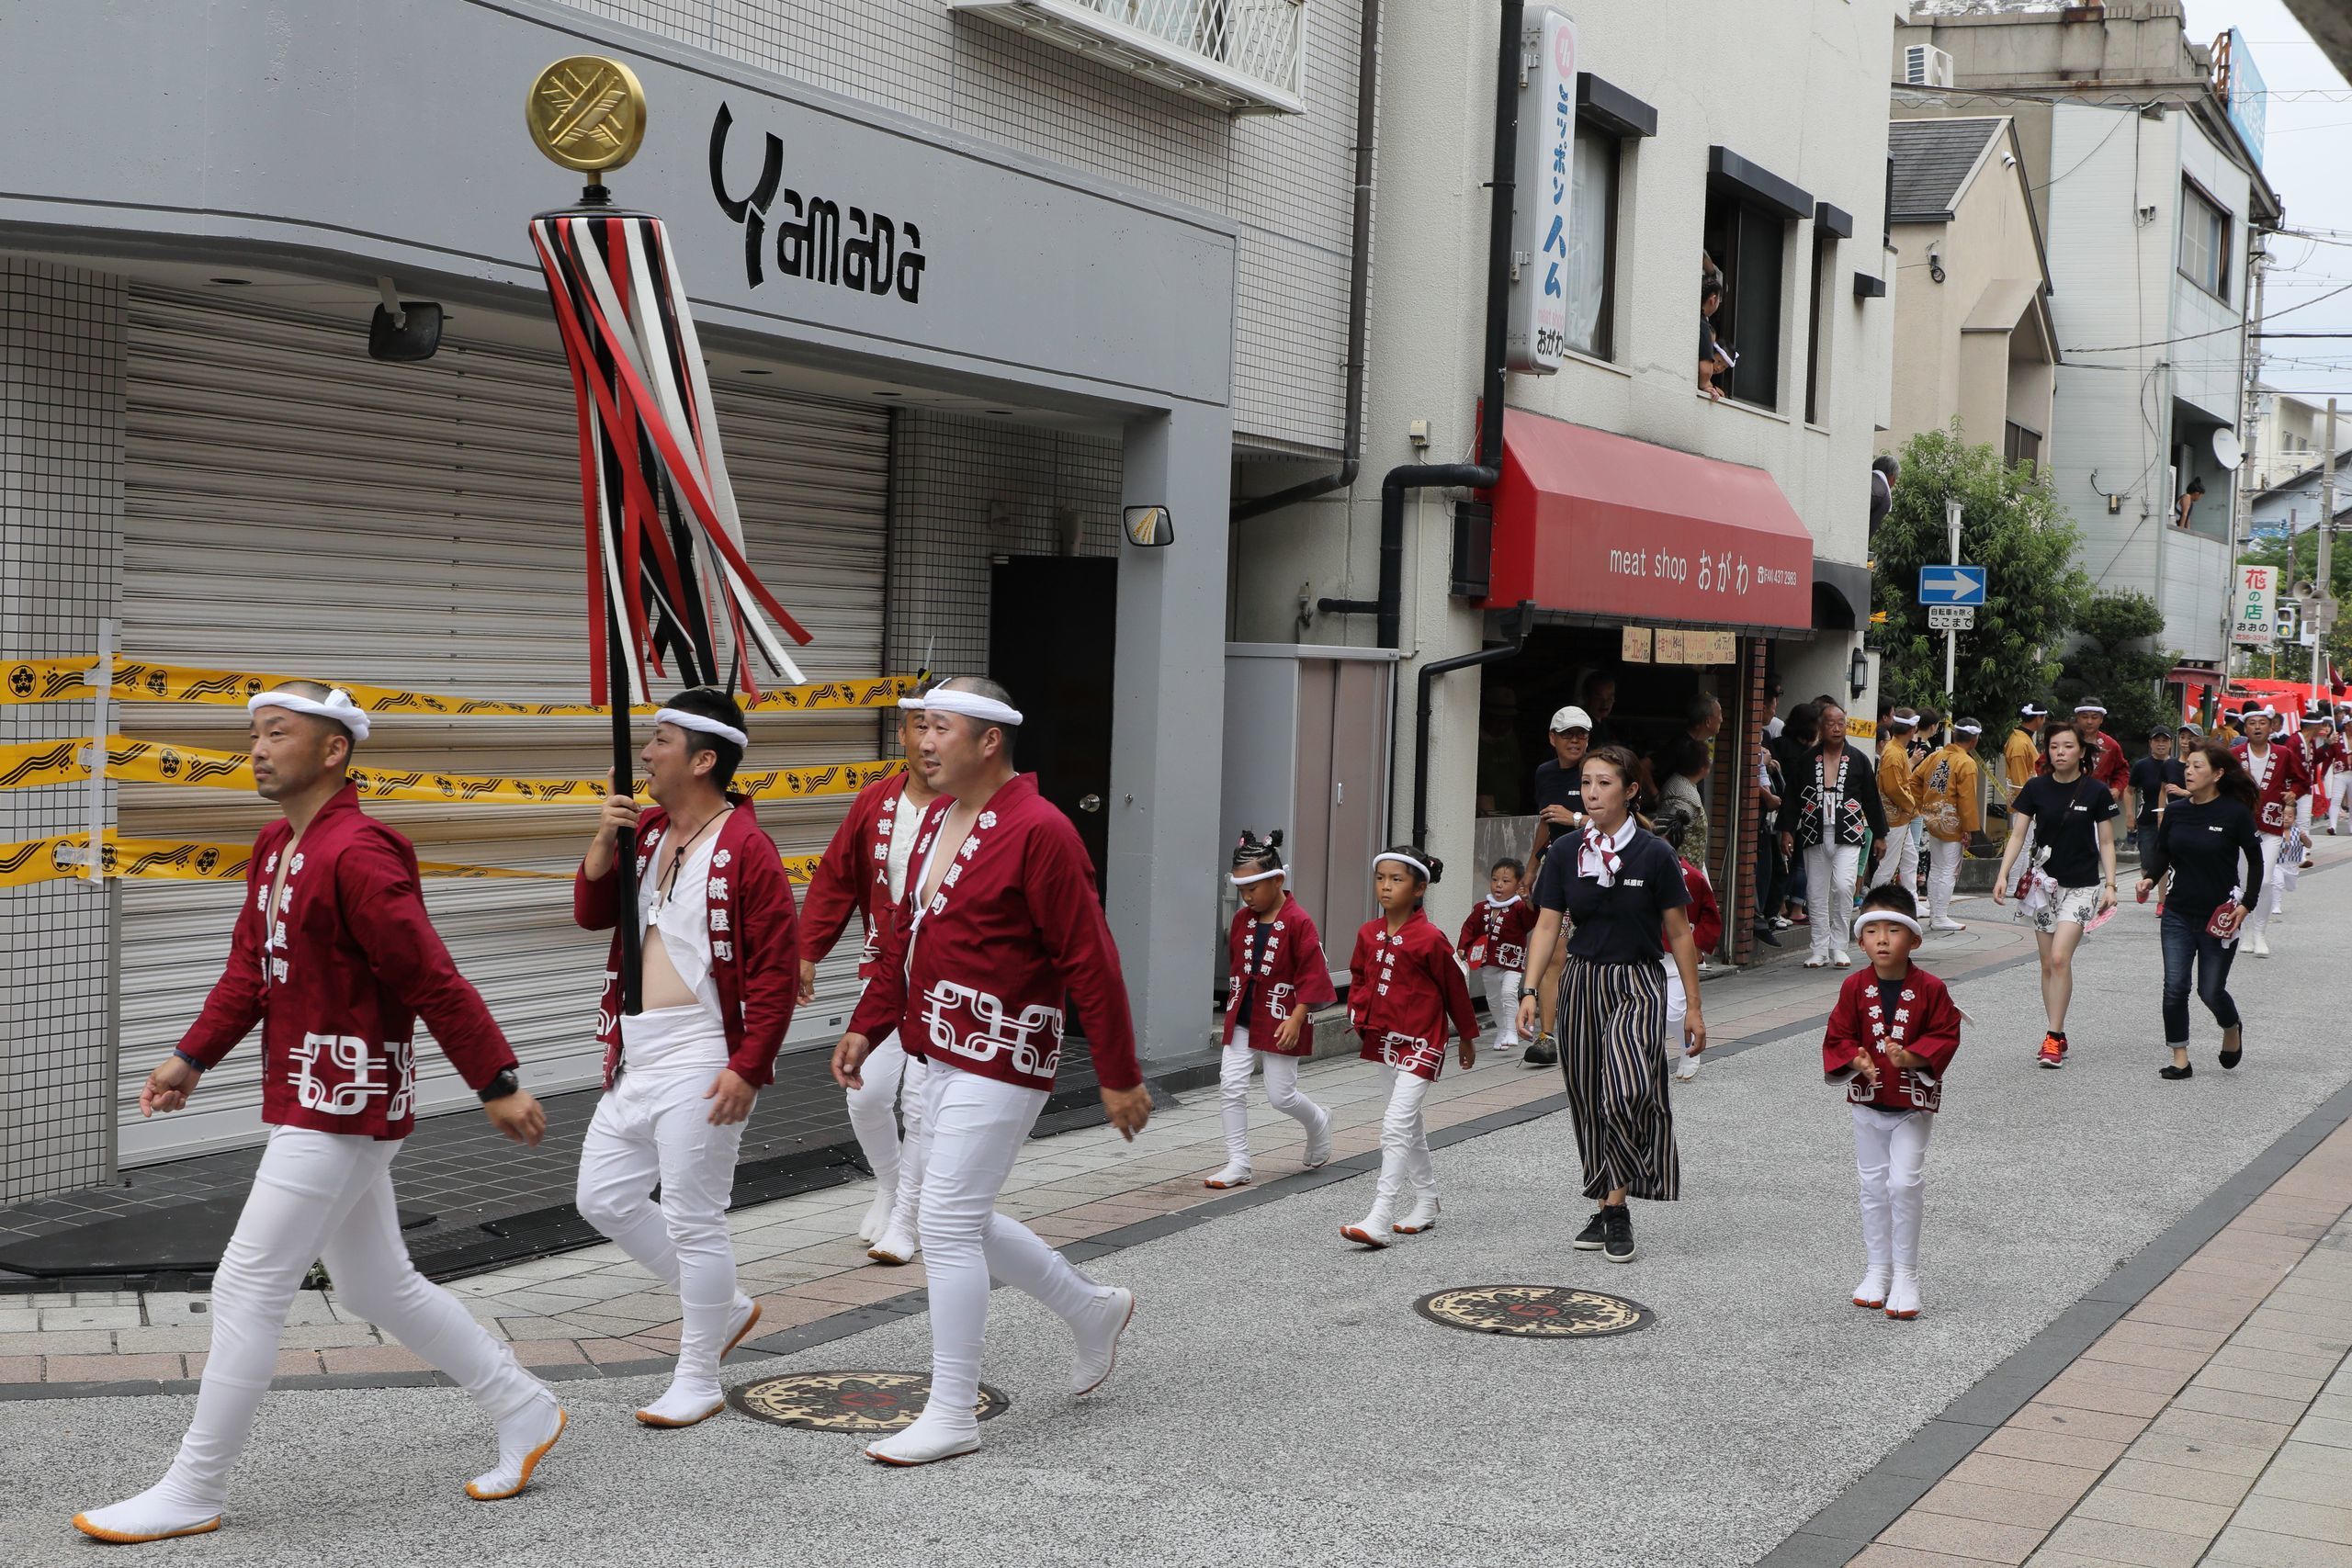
1375	1228
1423	1217
1097	1332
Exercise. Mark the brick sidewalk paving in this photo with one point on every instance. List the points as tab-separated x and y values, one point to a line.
2212	1423
593	1312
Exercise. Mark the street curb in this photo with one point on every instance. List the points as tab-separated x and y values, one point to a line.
1852	1519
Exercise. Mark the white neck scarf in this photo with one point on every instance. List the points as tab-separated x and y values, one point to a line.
1601	858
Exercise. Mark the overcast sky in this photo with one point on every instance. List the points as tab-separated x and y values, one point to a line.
2307	155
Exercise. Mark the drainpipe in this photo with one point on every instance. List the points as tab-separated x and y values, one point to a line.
1517	624
1351	441
1487	471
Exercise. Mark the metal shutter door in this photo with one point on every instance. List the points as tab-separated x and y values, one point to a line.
295	507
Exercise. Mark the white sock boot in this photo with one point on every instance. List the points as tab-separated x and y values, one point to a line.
1319	1142
1374	1229
1871	1292
935	1435
897	1246
164	1510
1097	1331
524	1439
877	1219
1903	1295
1234	1174
1423	1217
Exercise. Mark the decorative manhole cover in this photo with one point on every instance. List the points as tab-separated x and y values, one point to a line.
1539	1311
847	1402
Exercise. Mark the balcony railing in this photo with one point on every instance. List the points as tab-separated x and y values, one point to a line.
1245	56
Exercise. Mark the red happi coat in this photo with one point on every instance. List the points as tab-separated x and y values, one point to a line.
1292	974
754	945
1402	991
2275	811
853	876
354	963
1496	934
1926	1020
976	978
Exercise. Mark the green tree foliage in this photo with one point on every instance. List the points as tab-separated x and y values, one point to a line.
2120	659
2010	523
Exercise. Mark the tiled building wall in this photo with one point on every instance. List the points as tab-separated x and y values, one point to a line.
61	336
1286	179
966	492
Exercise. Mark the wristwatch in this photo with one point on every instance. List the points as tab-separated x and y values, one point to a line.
499	1087
1526	992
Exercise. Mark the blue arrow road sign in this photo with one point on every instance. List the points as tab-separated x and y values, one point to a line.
1951	585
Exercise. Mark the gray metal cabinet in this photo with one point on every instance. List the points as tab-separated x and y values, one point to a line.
1307	751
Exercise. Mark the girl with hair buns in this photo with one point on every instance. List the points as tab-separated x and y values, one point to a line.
1622	890
1404	989
1279	972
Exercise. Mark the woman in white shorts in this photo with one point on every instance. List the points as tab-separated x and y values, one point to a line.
2072	880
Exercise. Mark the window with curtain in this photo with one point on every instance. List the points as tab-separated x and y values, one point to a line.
1592	246
2204	241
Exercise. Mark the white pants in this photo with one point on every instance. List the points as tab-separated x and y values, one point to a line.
326	1197
2274	882
1890	1156
655	1126
973	1131
1502	1004
2337	779
1281	1093
1404	1141
1901	866
1829	893
1678	1008
1943	876
893	1091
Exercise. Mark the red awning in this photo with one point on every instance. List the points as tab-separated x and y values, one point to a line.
1592	522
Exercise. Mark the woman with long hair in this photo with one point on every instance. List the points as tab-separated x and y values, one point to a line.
1621	889
2210	846
2071	882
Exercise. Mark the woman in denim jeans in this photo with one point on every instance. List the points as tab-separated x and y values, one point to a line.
2209	845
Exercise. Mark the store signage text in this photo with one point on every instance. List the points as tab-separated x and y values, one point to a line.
816	237
2255	605
1729	572
1541	213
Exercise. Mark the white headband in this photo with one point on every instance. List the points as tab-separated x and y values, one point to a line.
2091	708
1403	859
1891	917
971	704
2030	711
338	707
1242	880
1968	730
696	721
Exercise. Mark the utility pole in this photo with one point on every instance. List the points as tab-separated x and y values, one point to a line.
2257	263
1952	636
2323	583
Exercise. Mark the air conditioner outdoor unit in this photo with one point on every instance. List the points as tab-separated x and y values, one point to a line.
1925	65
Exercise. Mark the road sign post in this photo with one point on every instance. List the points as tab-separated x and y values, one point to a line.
1948	589
1951	617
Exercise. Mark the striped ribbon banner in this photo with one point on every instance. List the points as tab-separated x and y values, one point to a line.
30	861
33	764
66	680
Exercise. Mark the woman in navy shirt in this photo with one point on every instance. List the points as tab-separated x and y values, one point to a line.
1621	888
2209	845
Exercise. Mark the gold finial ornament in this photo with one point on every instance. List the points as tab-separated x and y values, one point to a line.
587	113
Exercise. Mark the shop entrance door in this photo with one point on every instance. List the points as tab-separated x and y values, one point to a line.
1052	631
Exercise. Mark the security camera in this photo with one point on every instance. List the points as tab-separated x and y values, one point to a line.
2008	160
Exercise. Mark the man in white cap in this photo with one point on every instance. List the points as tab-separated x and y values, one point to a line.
1559	807
334	956
718	970
1001	927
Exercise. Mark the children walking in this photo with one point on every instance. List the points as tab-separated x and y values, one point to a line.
1890	1039
1494	945
1279	972
1404	989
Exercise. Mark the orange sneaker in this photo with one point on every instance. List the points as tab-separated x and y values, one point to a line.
2053	1053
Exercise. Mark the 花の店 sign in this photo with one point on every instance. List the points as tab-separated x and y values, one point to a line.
1540	214
2253	612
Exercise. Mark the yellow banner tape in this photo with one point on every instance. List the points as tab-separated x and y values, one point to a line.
28	860
37	762
64	679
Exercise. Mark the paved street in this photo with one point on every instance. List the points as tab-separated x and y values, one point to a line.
1279	1401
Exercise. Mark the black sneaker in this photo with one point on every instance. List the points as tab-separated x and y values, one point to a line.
1764	934
1589	1238
1543	1054
1617	1231
2174	1074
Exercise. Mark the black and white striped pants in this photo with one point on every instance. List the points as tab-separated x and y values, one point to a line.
1611	1032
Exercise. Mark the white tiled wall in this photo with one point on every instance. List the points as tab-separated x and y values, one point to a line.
1287	179
61	570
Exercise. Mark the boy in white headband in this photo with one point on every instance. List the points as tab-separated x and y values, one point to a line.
1890	1039
1275	958
1494	944
1944	786
718	968
334	958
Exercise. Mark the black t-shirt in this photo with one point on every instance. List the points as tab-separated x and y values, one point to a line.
2208	849
2149	777
1621	923
2065	819
1556	785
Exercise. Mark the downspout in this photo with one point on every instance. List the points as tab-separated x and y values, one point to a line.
1359	273
1517	624
1487	472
